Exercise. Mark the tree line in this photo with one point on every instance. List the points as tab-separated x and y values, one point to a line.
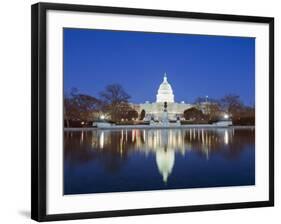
211	110
83	109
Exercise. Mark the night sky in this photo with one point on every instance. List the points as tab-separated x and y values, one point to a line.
196	65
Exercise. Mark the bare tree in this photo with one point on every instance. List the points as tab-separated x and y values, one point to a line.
214	111
232	104
115	101
114	94
79	107
70	110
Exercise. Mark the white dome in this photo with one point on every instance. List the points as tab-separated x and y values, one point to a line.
165	92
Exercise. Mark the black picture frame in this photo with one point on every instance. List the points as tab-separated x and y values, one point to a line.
38	116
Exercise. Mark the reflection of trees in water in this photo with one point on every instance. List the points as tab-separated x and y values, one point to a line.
76	146
244	139
112	147
79	148
228	142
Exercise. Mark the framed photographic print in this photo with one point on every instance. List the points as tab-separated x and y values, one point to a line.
139	111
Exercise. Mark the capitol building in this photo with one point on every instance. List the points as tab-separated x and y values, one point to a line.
164	98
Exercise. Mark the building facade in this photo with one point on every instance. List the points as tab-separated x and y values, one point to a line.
165	96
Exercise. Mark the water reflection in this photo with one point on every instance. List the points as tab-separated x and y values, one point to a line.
113	148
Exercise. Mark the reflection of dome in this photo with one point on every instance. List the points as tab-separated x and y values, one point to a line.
165	161
165	92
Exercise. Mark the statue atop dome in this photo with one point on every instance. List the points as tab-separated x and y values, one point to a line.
165	77
165	92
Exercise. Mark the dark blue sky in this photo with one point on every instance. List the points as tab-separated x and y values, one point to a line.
196	65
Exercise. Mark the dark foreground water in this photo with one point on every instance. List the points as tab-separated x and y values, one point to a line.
135	160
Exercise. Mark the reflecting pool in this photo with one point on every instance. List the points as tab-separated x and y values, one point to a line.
101	161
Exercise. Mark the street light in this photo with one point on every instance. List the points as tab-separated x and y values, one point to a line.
102	117
226	116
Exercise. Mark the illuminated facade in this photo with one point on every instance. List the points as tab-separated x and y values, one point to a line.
164	95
